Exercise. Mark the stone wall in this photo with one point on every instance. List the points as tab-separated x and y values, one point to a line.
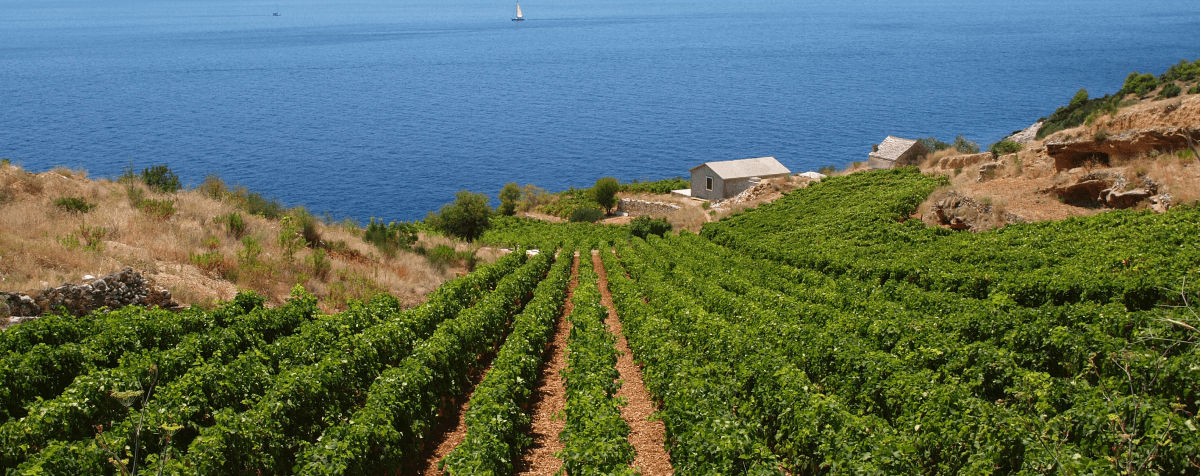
634	207
113	291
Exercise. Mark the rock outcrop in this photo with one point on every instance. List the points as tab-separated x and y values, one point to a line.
116	290
1026	135
1107	189
964	161
960	212
1069	153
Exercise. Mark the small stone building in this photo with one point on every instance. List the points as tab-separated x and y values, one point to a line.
893	152
720	180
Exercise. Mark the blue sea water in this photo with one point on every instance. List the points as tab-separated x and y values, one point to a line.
386	108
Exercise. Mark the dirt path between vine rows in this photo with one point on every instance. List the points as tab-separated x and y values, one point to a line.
550	396
452	437
648	437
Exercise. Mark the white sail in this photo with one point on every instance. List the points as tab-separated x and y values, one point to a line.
519	14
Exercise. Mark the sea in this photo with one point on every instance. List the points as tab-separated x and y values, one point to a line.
386	108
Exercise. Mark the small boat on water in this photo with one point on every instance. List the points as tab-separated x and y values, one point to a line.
275	14
520	16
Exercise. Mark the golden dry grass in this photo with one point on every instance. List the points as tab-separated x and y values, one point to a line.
38	246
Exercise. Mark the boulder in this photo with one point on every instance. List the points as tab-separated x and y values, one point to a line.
1105	189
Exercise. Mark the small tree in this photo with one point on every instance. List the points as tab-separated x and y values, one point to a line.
605	193
161	179
509	195
467	217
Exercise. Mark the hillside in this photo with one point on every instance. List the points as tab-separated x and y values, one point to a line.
178	239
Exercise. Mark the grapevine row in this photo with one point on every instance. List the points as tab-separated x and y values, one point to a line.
497	416
404	401
595	437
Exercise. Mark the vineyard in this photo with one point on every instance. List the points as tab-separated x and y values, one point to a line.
824	333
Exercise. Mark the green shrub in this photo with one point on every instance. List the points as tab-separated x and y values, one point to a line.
390	238
320	264
1139	84
290	237
213	187
931	144
589	215
235	225
644	226
1078	112
256	204
308	226
509	196
89	237
442	255
1182	71
161	179
605	192
4	162
965	146
467	217
1194	89
74	204
210	261
569	201
160	209
1170	90
248	255
1005	147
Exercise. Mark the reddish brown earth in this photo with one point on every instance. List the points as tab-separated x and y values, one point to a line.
647	436
550	397
450	437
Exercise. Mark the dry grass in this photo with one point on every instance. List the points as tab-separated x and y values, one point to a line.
38	246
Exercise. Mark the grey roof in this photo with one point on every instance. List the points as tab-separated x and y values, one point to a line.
735	169
893	147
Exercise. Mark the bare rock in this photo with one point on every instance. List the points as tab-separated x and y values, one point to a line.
1160	203
1105	189
1100	147
960	212
1026	135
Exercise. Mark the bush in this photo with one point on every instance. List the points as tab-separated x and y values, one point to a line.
931	145
660	187
532	197
509	195
256	204
308	227
1195	89
643	226
391	237
467	217
320	264
234	224
965	146
291	238
74	204
1182	71
160	209
1005	147
161	179
1139	84
830	169
605	192
589	215
248	255
1170	90
210	261
213	187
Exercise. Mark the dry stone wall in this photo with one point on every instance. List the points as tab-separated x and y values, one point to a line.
116	290
635	207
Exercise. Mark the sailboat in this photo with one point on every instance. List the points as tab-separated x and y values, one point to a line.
520	16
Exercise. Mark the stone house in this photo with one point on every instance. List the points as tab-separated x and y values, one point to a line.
893	152
720	180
